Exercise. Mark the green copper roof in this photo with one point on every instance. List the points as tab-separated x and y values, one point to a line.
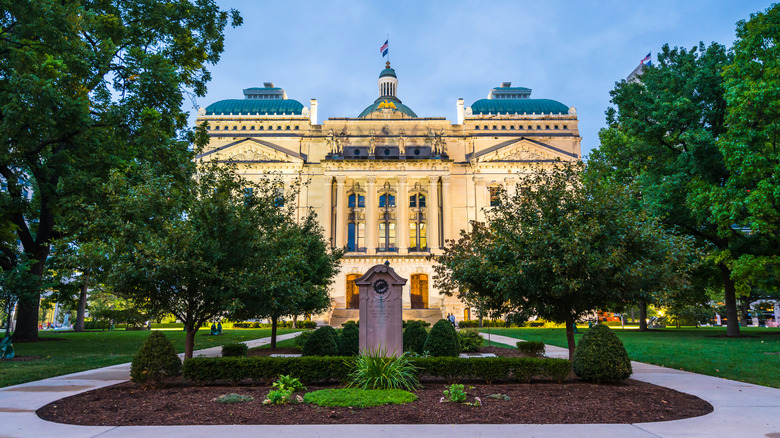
255	106
388	72
519	106
390	99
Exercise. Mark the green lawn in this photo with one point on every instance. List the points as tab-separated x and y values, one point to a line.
72	352
701	350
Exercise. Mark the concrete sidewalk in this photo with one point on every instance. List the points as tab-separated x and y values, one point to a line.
741	410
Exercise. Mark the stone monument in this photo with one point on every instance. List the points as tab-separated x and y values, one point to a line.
381	310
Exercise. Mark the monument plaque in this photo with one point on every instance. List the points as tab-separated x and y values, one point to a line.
381	311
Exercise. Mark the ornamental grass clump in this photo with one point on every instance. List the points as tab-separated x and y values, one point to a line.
373	370
601	357
155	362
414	337
442	340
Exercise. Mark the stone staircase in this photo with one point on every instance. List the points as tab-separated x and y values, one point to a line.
340	316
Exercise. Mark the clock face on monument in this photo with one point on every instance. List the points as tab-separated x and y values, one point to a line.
380	286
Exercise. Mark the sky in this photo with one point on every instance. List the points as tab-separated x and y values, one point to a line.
570	51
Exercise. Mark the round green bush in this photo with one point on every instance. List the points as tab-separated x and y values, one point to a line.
322	342
601	357
470	340
155	361
414	337
442	340
349	339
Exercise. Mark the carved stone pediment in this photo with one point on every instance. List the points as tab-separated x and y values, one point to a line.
522	151
254	151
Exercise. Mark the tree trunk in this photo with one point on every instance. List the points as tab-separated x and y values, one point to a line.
29	304
274	321
730	297
189	345
78	326
743	310
570	337
642	316
295	321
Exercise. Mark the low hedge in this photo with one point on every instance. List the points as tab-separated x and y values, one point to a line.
280	324
316	369
472	323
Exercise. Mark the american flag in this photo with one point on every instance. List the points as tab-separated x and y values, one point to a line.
384	49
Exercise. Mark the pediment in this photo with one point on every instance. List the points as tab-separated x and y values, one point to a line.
522	150
252	150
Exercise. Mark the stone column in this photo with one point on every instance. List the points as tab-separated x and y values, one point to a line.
371	211
447	209
402	217
327	208
479	198
433	213
341	212
510	187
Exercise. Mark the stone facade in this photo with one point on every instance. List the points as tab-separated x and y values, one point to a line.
357	171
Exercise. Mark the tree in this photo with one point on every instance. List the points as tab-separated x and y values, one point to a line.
192	261
560	249
292	268
751	147
86	88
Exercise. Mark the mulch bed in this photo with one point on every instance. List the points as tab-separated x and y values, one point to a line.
572	402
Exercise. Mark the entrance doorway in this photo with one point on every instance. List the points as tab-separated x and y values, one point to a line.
353	294
419	291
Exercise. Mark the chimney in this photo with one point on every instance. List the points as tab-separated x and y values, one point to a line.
461	112
313	112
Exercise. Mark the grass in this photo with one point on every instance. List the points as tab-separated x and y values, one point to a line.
287	343
359	398
703	350
70	352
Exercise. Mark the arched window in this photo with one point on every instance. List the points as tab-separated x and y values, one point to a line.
417	219
352	292
387	219
419	291
356	220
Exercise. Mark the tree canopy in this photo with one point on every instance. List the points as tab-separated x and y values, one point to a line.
695	136
561	248
86	88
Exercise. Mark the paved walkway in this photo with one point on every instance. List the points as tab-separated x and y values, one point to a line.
741	410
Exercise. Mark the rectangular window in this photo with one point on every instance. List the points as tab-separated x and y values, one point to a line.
351	238
391	236
382	241
422	200
412	235
413	201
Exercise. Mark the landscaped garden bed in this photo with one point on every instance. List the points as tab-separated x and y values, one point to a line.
572	402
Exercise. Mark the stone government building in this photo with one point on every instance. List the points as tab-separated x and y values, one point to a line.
387	184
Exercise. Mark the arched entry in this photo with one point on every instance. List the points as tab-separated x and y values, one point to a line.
419	292
353	294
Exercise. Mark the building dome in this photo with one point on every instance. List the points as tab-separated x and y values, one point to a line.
518	106
388	105
387	102
388	72
255	107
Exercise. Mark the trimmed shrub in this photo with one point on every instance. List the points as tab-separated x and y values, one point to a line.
322	342
531	348
314	370
414	337
601	357
349	340
237	349
442	340
155	361
470	340
422	322
300	340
